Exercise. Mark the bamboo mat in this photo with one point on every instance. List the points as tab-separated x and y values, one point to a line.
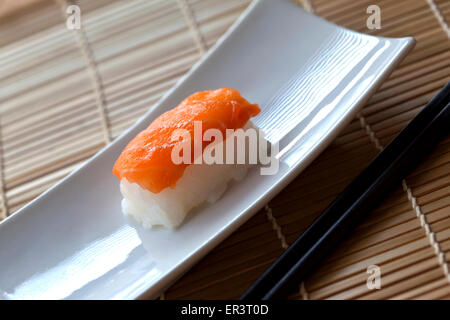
64	95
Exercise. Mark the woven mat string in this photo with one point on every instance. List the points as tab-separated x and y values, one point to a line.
193	26
96	80
419	214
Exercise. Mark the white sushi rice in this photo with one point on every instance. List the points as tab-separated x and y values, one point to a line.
200	183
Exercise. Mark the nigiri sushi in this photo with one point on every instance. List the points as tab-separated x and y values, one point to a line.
156	189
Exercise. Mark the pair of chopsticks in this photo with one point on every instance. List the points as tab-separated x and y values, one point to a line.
380	177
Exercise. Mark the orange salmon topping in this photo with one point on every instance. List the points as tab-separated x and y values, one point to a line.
147	160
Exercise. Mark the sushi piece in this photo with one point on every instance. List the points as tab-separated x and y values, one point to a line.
160	191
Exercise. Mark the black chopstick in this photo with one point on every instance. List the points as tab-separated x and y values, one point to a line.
379	178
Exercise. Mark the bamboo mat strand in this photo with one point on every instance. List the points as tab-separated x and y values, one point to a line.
440	16
64	95
192	23
96	80
4	210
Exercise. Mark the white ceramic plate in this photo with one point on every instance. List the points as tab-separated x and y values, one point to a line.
73	241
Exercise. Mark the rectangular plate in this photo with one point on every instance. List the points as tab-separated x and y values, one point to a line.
73	241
